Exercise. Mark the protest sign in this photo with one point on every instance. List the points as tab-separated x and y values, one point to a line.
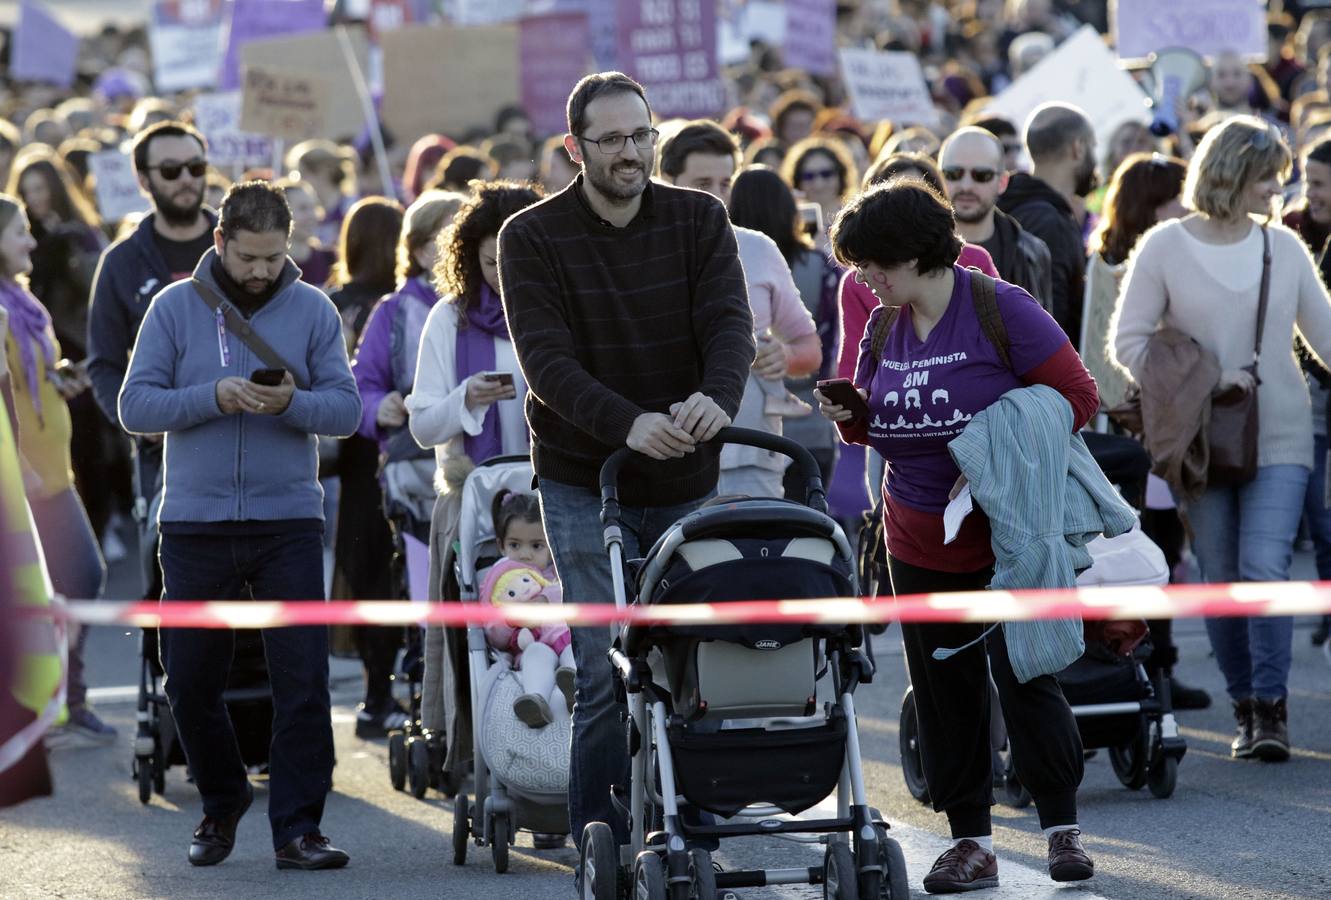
218	117
259	20
1081	71
742	21
603	20
887	84
185	37
1207	27
288	105
445	79
43	49
117	187
670	47
554	53
320	55
810	42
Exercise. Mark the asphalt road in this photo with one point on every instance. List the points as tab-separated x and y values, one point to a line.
1232	829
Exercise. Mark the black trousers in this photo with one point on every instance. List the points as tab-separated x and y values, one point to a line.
953	709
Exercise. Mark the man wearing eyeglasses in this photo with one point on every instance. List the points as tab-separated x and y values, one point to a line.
627	306
972	164
171	160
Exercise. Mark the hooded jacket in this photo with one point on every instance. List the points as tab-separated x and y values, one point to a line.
1043	212
243	467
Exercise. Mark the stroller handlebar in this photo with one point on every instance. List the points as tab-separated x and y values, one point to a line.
815	492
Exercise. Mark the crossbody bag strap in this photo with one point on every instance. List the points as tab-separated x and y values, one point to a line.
1262	301
984	293
241	328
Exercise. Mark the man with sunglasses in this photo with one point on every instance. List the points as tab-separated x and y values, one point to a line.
972	163
171	161
628	310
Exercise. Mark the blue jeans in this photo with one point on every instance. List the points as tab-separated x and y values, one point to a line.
599	753
197	662
1247	533
1316	511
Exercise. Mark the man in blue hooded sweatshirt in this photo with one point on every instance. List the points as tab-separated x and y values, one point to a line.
242	510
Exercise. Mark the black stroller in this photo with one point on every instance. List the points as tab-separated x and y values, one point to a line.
726	720
249	703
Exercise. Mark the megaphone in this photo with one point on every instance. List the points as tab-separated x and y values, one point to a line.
1175	73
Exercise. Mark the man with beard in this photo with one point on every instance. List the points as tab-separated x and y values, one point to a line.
242	511
1061	143
627	306
971	162
171	160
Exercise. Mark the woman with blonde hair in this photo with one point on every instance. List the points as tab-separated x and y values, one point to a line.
1203	275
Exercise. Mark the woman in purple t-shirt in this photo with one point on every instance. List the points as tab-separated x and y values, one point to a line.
936	371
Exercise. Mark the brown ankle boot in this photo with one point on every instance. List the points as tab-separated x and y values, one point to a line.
1241	748
1270	731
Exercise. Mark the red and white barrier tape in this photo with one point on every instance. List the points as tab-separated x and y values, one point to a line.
1176	601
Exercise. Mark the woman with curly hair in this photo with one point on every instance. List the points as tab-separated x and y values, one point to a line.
462	406
821	170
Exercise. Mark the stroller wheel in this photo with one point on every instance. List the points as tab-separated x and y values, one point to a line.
461	829
599	863
839	874
908	736
143	770
895	885
499	837
1017	795
418	766
702	876
1163	777
1131	761
397	760
649	881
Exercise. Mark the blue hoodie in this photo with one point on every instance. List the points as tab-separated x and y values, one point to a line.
244	467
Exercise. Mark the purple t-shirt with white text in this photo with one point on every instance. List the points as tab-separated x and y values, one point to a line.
922	393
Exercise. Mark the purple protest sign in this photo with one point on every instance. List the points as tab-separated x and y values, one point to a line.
253	20
44	50
670	46
811	36
604	23
553	52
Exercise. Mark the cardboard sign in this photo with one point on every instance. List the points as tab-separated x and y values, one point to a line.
1207	27
887	84
218	117
288	105
43	49
554	54
669	46
255	20
117	188
320	56
810	42
1081	71
445	79
185	37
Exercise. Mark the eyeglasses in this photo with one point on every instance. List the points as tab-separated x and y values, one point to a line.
816	174
979	176
615	142
171	171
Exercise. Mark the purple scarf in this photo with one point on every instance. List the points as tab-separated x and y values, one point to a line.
475	352
30	324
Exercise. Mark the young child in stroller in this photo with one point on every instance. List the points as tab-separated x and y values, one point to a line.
542	657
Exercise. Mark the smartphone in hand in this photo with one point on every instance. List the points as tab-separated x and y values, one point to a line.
268	377
504	378
843	393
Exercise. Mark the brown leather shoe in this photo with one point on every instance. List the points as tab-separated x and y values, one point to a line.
1067	860
965	867
215	836
312	851
1241	747
1270	731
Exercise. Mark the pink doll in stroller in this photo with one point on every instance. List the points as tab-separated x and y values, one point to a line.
542	656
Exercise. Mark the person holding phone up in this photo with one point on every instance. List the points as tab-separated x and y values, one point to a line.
945	353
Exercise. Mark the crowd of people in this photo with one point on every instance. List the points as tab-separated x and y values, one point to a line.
243	369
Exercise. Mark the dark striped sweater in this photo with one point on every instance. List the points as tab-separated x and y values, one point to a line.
609	323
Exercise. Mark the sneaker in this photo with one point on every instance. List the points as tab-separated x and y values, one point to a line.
1068	861
1241	747
1186	697
787	406
533	710
82	729
965	867
1270	731
376	723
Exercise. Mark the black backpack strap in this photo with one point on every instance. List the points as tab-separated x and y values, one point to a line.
984	292
241	328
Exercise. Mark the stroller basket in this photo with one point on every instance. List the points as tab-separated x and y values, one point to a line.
725	771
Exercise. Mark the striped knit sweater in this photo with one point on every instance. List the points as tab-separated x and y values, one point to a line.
610	323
